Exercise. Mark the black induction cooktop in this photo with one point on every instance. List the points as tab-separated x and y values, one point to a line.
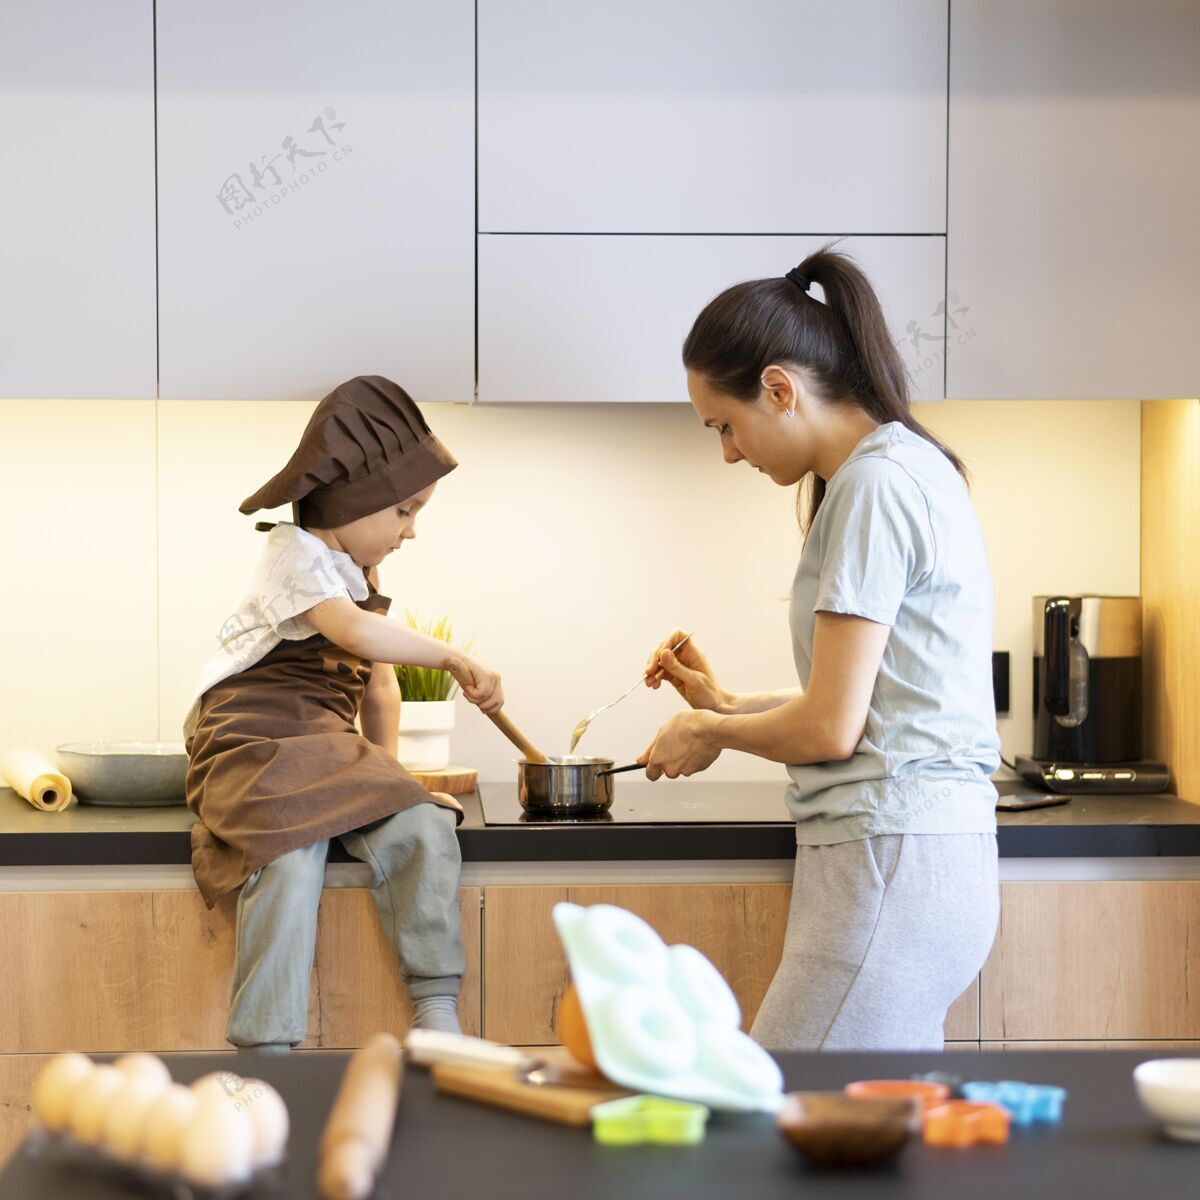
664	802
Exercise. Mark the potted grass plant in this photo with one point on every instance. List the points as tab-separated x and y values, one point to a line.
426	705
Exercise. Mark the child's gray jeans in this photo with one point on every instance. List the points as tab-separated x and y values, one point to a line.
414	859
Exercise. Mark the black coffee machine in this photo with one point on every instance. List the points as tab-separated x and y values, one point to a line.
1087	697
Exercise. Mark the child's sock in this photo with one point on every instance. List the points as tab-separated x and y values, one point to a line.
262	1049
437	1012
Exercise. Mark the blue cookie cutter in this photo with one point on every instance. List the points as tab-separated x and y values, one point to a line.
1028	1102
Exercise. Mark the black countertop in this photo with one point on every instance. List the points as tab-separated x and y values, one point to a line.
1106	1145
1088	827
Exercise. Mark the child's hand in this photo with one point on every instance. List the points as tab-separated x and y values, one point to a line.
449	799
480	684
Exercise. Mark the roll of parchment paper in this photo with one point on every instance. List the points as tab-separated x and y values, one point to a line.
35	780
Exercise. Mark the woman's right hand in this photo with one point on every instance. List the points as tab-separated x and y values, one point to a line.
687	671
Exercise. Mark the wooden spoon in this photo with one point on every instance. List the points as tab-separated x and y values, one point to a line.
527	748
530	752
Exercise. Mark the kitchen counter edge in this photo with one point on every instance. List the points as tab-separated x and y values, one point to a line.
1088	827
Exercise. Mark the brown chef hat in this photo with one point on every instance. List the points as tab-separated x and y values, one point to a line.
366	447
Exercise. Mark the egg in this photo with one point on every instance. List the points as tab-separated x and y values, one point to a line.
89	1106
217	1143
225	1084
259	1101
144	1066
55	1088
162	1133
128	1110
269	1116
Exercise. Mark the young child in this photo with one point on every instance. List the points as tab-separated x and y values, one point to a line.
276	765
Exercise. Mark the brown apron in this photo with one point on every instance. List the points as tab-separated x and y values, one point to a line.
276	762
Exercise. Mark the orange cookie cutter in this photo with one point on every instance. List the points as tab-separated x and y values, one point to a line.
966	1123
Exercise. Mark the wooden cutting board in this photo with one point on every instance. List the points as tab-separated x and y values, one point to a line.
501	1088
454	781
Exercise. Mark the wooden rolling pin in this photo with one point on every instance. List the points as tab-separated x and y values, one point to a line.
530	752
359	1129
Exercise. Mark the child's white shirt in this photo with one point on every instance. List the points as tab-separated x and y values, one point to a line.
295	572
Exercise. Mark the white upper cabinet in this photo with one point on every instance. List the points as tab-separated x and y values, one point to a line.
602	319
316	197
77	201
712	116
1073	237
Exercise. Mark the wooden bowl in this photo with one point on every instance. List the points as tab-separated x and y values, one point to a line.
836	1130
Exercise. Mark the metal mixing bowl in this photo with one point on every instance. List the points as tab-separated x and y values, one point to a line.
121	773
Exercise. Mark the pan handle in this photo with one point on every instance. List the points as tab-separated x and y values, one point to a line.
619	770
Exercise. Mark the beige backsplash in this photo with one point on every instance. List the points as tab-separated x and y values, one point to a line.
568	541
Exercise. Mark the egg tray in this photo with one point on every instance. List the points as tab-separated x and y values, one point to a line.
61	1149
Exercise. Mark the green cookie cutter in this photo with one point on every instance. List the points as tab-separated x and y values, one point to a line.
637	1120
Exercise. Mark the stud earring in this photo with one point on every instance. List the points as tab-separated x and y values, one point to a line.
789	413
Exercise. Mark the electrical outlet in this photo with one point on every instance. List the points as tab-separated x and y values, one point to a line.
1000	680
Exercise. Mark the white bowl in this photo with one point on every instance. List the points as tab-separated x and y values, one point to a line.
1169	1088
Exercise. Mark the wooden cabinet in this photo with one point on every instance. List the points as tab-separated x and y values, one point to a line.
1074	165
962	1018
18	1073
315	197
1151	1048
106	972
77	205
787	116
602	319
1088	965
1170	587
1106	961
739	926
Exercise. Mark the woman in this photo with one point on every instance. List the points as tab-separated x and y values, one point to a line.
891	738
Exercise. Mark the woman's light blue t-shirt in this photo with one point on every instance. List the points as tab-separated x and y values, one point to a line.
896	541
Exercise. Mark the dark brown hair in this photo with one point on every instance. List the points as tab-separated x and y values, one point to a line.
843	346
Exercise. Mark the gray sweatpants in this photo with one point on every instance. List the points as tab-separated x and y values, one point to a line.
883	935
414	860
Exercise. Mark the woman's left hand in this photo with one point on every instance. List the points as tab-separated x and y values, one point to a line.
683	746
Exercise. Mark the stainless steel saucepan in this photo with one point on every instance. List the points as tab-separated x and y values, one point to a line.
568	784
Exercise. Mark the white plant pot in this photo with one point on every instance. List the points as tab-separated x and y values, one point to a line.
425	728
